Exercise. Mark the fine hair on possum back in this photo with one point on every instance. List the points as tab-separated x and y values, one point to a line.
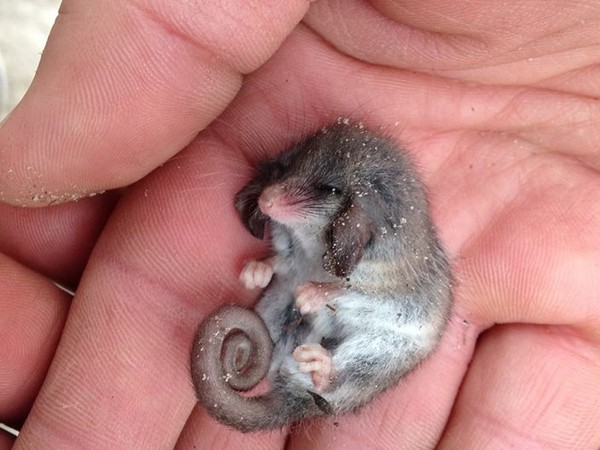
355	219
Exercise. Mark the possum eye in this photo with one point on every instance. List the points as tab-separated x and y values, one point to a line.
328	189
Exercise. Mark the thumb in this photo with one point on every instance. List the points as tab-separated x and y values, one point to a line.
125	84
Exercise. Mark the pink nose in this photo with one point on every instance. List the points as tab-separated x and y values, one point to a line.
268	198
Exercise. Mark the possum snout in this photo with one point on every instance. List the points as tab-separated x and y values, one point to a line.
283	204
270	198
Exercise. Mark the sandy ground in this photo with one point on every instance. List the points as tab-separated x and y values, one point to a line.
24	28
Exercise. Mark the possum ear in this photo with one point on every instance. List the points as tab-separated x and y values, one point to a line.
246	204
346	239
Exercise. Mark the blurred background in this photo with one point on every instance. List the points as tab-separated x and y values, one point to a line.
24	28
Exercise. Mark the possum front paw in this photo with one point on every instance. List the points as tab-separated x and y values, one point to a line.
310	297
314	359
257	274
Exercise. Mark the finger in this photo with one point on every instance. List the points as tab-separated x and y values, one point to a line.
6	440
533	261
441	38
170	254
54	241
528	387
511	279
214	436
423	41
33	313
540	247
124	85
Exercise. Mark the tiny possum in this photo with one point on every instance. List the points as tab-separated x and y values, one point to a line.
357	293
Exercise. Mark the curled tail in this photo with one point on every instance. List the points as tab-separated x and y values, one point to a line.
231	353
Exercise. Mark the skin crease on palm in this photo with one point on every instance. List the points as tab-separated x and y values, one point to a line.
497	102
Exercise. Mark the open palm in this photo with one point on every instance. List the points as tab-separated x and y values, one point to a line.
498	108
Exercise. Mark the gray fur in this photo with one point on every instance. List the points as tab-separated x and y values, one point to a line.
366	230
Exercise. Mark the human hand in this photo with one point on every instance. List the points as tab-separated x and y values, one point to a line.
495	104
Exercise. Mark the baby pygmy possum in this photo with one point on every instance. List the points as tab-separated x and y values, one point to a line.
357	291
